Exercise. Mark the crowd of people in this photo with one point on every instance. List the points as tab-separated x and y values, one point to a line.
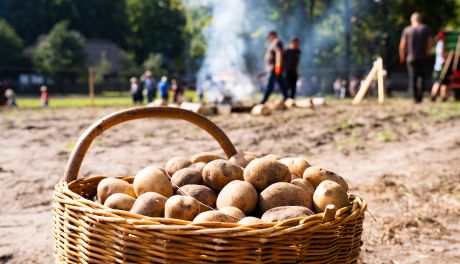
146	86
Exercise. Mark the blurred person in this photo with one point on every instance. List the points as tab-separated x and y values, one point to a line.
441	82
148	83
177	91
337	86
274	66
291	62
10	98
163	86
44	96
414	49
134	89
353	88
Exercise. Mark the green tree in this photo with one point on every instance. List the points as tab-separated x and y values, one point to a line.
10	45
154	63
61	55
102	69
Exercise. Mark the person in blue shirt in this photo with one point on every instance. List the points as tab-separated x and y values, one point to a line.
163	86
149	85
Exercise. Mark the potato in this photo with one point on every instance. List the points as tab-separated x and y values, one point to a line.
214	216
152	179
272	156
150	204
120	201
205	157
329	192
297	165
240	194
295	176
109	186
315	175
176	164
260	109
304	184
233	212
218	173
201	193
250	220
283	194
264	172
283	213
182	207
186	176
243	159
199	166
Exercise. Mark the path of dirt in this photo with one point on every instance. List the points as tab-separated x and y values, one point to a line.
402	159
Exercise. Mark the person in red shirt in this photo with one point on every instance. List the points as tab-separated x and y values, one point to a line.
44	95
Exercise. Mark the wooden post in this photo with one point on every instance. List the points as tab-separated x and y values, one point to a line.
363	89
381	87
329	213
91	85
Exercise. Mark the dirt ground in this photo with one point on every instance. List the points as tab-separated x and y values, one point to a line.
402	158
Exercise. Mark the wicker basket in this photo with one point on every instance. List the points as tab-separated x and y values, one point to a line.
87	232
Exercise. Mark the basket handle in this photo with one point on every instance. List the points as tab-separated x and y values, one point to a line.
97	128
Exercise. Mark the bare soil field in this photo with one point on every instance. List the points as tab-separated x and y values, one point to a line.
402	158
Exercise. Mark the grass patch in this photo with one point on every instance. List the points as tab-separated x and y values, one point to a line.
385	136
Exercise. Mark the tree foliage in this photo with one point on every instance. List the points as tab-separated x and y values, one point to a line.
10	45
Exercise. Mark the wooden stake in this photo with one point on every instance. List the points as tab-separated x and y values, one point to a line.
329	213
363	89
91	85
381	87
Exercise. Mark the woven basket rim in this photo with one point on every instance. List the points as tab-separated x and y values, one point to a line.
82	204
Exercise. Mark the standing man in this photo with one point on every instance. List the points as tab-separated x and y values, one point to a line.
149	85
414	49
273	66
291	62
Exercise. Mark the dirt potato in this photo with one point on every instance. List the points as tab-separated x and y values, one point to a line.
214	216
199	166
182	207
233	212
283	213
186	176
176	164
250	220
272	156
109	186
243	159
283	194
295	176
240	194
218	173
120	201
149	204
329	192
201	193
260	109
205	157
297	165
152	179
315	175
304	184
264	172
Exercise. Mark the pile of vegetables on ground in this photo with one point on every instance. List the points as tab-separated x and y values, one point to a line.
245	189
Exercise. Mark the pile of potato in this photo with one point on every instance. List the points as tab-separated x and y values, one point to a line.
245	189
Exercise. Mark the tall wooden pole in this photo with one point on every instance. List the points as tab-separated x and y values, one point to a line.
91	85
380	83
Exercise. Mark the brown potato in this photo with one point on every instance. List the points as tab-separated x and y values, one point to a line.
120	201
242	159
297	165
283	213
315	175
250	220
240	194
264	172
149	204
203	194
186	176
176	164
283	194
295	176
214	216
109	186
152	179
218	173
199	166
272	156
233	212
205	157
182	207
304	184
329	192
